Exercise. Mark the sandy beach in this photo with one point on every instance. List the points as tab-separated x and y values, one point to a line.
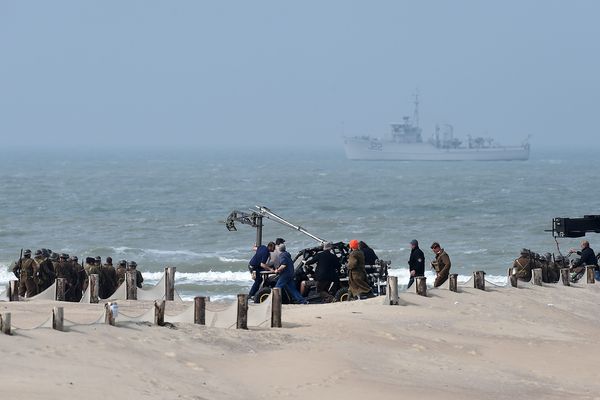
530	342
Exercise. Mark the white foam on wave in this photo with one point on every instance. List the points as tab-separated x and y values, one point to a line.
403	275
231	260
478	251
223	277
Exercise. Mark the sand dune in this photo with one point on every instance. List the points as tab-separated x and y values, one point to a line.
530	342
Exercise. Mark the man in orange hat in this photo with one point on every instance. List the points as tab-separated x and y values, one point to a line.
357	275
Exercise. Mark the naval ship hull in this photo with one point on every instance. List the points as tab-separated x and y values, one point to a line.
363	149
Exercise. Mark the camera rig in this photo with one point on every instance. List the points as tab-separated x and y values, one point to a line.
575	227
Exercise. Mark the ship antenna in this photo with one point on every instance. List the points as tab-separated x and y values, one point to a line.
416	116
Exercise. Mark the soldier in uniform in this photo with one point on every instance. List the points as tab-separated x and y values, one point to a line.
120	272
357	275
89	263
132	266
109	279
80	281
45	270
441	264
64	270
25	270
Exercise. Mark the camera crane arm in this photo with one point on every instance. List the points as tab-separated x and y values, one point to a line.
255	219
575	227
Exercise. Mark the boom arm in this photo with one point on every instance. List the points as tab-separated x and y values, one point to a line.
575	227
255	218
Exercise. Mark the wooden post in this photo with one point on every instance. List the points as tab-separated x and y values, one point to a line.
200	310
5	323
159	313
276	308
61	284
109	317
564	276
421	285
479	280
131	284
453	278
13	291
242	311
591	269
392	290
170	283
537	276
93	288
57	318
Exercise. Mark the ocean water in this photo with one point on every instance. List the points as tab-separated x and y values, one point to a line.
165	208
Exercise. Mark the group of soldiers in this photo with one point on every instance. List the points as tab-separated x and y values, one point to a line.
551	265
39	273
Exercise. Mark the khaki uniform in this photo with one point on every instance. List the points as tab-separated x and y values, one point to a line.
442	267
357	275
64	269
120	273
27	285
109	281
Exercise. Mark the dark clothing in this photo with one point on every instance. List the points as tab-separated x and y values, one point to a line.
45	273
260	257
416	262
327	268
286	277
357	275
370	256
120	273
587	257
109	281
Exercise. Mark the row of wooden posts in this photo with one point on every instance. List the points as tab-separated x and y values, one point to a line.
159	313
479	281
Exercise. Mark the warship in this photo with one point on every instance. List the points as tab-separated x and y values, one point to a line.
404	142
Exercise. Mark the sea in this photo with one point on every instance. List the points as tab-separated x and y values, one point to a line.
167	207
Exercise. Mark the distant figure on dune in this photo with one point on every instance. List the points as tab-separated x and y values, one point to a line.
441	264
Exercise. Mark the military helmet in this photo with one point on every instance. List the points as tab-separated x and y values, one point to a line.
123	263
98	258
54	256
74	258
27	252
46	252
64	256
38	253
132	264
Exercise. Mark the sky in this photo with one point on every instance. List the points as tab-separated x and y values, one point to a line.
281	73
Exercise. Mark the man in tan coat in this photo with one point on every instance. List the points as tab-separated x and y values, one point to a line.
441	264
357	275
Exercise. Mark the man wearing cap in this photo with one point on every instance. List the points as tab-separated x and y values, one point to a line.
357	275
416	262
25	270
441	264
326	272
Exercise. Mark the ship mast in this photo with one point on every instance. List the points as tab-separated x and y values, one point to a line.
416	115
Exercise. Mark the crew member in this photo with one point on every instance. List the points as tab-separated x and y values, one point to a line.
370	256
586	257
258	263
441	264
357	275
326	272
416	262
286	275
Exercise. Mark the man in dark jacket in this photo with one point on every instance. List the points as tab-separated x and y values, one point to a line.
286	275
326	272
586	257
358	284
369	253
259	263
416	262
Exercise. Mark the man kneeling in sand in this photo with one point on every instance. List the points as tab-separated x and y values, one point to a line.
441	264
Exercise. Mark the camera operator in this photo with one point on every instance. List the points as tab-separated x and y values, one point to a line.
586	257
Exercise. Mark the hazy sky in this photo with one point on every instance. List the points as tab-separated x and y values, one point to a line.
186	73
